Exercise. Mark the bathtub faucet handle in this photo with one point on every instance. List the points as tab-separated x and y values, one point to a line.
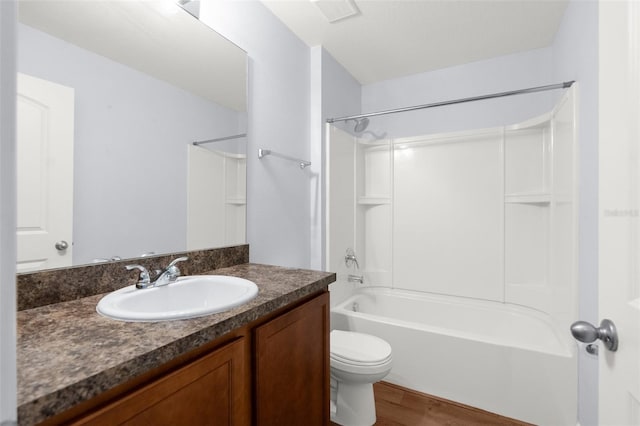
350	259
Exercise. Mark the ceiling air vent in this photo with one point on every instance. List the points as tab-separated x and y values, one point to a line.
337	10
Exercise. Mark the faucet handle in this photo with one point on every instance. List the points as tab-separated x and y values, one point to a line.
143	278
350	259
172	271
174	261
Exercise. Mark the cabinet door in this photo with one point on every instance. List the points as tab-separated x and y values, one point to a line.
292	367
208	391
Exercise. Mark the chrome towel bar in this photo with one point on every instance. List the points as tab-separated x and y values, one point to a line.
265	152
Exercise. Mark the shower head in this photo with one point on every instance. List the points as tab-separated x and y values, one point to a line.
361	124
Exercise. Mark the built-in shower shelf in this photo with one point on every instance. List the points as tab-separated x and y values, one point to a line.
238	201
528	198
540	284
563	199
373	201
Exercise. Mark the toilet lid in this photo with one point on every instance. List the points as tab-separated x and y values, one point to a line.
359	348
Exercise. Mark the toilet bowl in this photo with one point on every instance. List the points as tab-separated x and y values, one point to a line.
357	361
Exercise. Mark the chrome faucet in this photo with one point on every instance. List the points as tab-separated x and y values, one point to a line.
144	281
355	279
165	276
350	259
170	273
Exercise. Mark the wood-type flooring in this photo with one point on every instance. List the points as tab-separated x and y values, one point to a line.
398	406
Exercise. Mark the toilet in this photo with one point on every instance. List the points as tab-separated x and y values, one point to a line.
357	361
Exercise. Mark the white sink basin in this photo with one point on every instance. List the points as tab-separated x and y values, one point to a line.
188	297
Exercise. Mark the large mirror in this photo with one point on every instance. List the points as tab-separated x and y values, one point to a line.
111	97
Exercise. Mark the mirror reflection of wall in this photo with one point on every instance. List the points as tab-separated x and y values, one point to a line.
132	130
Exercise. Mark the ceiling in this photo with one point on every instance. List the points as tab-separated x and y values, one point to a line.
393	38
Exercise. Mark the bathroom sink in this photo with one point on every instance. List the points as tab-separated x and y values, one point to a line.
187	297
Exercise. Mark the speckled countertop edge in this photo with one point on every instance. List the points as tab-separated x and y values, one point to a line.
68	353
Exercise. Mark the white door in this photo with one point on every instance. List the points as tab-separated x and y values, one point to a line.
619	214
45	115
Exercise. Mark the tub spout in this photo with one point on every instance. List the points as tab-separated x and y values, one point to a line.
355	279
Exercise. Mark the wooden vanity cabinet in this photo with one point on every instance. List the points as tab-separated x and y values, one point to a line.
208	391
292	367
274	371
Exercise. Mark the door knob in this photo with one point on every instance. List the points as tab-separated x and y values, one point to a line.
587	333
61	245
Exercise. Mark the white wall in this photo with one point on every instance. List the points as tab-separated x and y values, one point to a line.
575	57
511	72
8	393
130	150
341	212
317	185
278	224
334	93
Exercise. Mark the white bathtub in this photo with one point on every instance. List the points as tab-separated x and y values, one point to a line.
501	358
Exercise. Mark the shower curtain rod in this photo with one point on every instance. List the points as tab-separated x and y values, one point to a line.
226	138
564	85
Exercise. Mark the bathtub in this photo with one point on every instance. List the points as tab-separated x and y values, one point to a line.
500	358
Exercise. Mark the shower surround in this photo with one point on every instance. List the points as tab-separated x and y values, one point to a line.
484	219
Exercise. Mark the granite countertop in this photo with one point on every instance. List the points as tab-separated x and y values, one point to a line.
67	353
